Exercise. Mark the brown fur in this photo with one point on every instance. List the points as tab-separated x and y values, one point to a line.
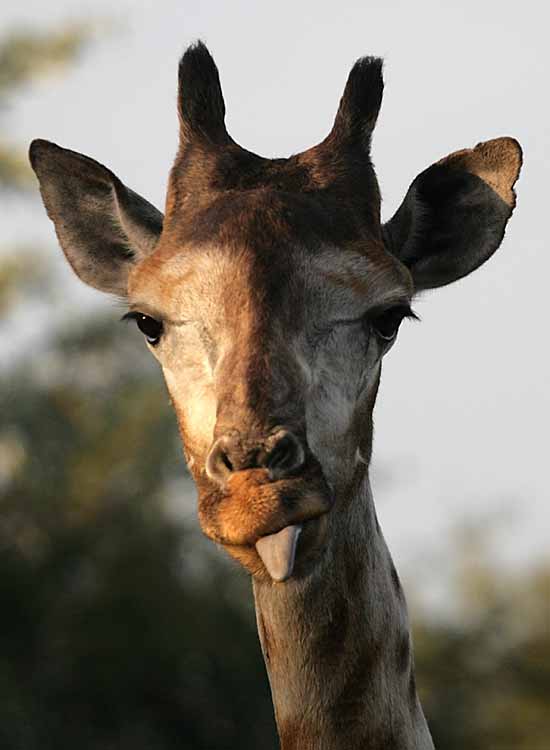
253	506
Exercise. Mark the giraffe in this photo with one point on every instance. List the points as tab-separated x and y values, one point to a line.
269	293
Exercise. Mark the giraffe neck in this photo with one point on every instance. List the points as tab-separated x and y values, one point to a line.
337	645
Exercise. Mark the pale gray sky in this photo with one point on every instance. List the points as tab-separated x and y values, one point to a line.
463	410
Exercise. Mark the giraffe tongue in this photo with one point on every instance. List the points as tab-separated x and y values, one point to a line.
278	552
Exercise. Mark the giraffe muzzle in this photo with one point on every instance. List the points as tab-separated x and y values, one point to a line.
262	492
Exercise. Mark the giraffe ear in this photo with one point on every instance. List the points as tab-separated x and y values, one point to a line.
455	212
103	227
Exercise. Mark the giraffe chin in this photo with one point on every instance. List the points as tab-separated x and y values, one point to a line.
286	555
278	552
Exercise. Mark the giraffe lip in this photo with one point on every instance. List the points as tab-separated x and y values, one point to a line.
278	551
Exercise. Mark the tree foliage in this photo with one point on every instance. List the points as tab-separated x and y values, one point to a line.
25	55
485	674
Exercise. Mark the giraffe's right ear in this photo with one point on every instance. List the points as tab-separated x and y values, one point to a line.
455	212
103	227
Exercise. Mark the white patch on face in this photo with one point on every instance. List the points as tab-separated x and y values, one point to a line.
199	412
191	387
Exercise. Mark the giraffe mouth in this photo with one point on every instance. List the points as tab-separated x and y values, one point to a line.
270	527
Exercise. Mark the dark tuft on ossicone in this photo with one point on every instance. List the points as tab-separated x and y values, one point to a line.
360	103
200	99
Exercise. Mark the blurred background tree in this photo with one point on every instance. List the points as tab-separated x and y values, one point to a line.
24	55
484	668
121	629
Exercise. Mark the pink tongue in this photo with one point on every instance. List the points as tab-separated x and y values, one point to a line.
278	552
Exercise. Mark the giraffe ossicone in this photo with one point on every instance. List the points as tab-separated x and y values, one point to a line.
269	292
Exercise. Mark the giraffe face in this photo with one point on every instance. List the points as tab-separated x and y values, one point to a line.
271	349
270	291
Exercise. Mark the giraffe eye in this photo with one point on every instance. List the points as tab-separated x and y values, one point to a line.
151	328
386	324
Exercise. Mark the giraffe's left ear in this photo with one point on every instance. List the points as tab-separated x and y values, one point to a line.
103	227
455	212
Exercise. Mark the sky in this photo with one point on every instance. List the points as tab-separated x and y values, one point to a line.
461	423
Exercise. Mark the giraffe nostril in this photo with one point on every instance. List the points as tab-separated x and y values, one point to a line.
286	457
218	464
226	461
282	455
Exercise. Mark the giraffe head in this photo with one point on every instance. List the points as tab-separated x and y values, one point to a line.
270	292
